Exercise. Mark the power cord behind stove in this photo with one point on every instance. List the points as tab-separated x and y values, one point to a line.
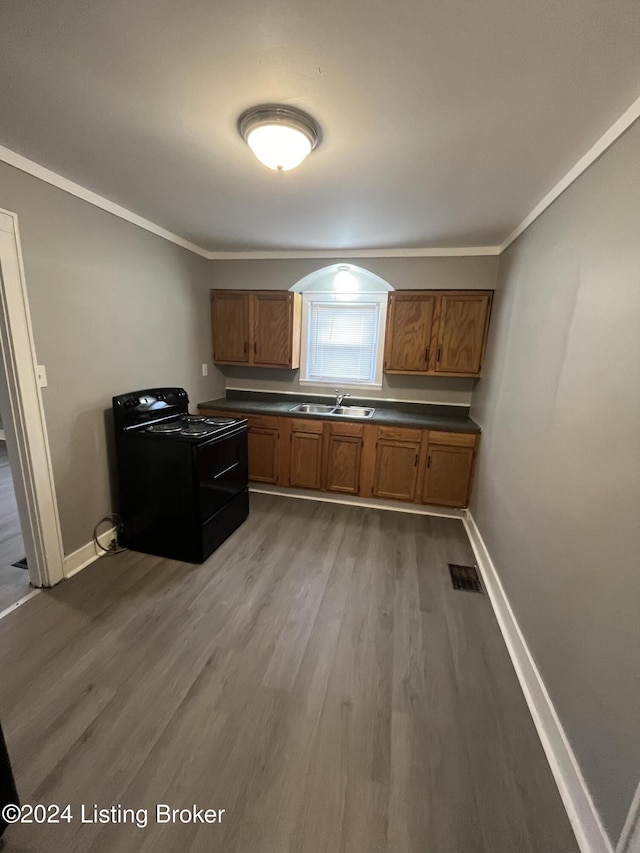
113	548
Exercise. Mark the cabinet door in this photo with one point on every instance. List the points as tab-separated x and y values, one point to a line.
408	334
447	475
273	337
462	330
343	463
230	327
306	459
263	455
396	470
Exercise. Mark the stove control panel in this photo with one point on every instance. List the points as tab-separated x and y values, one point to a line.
143	407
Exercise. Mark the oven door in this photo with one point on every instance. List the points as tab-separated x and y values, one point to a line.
221	471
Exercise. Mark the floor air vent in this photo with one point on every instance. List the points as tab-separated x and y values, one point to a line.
465	577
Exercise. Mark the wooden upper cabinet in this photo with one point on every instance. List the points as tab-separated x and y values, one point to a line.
408	334
230	326
273	333
462	332
260	328
437	332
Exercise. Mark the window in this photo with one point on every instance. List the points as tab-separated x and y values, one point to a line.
343	339
343	319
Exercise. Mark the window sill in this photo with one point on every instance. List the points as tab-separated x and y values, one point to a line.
332	384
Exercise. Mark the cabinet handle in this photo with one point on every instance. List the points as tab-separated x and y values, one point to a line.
255	348
429	461
415	461
438	355
246	347
426	355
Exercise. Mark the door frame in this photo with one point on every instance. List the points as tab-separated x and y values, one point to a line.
26	431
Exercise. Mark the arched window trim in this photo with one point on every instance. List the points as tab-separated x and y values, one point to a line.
324	280
344	310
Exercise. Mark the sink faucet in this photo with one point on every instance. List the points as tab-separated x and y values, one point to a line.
340	397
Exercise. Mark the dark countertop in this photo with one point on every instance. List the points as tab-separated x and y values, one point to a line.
418	415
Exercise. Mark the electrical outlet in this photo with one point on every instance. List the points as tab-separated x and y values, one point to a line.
205	369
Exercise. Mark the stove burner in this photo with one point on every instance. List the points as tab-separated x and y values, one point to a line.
196	429
165	428
194	426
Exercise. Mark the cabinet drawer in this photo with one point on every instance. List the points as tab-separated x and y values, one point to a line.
347	429
262	421
453	439
300	425
400	433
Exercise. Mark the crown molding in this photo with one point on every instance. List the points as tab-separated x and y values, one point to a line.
48	176
456	251
607	139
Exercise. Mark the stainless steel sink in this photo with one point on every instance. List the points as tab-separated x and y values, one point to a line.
353	411
333	411
312	409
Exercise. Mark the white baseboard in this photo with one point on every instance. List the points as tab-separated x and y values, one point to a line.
582	813
83	557
630	836
354	500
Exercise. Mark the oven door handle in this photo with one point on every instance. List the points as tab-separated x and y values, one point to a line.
226	470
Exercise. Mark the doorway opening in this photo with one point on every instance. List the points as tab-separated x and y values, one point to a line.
26	445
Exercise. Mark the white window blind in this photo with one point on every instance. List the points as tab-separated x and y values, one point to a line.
342	343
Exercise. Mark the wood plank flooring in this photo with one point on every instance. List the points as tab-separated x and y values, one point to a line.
317	678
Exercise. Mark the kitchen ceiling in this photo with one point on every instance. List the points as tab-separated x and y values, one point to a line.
444	121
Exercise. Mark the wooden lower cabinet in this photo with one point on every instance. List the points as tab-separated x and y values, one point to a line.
263	455
419	466
306	460
304	454
448	469
396	464
343	453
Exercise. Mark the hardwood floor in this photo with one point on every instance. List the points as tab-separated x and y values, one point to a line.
14	582
317	678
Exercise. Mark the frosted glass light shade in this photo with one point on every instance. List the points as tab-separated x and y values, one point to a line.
279	147
280	137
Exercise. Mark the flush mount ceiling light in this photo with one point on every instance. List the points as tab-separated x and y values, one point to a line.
280	137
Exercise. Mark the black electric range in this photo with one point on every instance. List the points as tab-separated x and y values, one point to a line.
183	479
